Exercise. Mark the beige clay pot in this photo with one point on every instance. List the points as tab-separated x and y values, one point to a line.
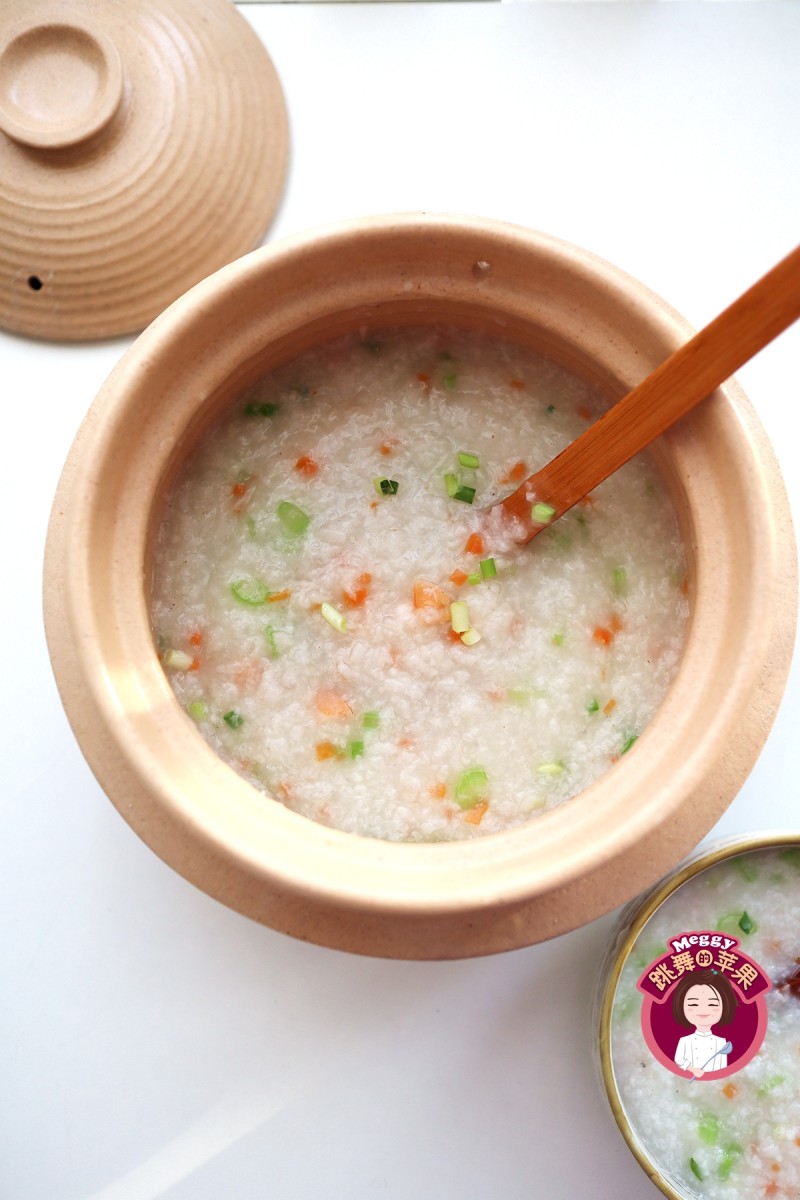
410	900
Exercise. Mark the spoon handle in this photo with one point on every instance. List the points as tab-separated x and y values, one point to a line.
682	381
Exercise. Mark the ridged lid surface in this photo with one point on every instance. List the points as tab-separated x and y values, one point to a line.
143	145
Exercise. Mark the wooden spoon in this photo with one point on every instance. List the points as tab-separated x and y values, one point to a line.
682	381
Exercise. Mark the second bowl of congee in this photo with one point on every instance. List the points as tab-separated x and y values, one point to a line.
335	696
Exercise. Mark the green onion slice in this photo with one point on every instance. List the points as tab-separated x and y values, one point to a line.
250	590
470	637
488	568
619	581
233	719
551	768
472	786
451	483
747	924
542	513
292	518
333	616
197	710
356	749
462	492
371	720
459	616
468	460
386	487
261	410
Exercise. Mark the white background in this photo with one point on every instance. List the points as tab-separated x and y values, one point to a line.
154	1044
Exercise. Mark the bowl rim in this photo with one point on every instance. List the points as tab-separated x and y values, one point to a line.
315	864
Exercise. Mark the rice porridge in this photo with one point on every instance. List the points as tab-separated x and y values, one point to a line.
736	1136
335	614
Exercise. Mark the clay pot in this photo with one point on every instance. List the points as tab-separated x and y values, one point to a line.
414	901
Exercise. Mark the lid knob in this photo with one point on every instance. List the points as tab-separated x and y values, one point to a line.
60	82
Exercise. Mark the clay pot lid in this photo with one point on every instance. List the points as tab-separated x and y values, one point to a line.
143	145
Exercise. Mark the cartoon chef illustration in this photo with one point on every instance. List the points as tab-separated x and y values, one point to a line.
703	999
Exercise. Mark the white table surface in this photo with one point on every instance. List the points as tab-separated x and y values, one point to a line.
154	1044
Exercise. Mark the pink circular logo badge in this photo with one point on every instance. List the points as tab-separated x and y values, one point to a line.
704	1015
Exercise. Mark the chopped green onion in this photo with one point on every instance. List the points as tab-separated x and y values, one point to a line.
696	1170
178	660
292	518
250	590
488	568
551	768
356	749
468	460
449	381
551	408
557	639
462	492
371	720
459	616
771	1084
233	719
197	710
269	634
470	637
729	1157
620	581
373	346
522	695
542	513
474	577
472	786
386	487
593	706
729	923
451	483
745	868
333	616
261	410
747	924
708	1128
629	742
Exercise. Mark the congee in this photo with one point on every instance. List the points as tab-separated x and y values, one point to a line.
335	613
733	1135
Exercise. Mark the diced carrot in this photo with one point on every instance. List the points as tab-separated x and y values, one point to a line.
474	815
373	503
307	465
474	544
285	790
458	577
405	743
516	474
423	377
584	413
603	636
432	600
439	791
609	706
493	695
274	597
195	665
730	1090
195	639
771	1188
330	704
453	636
326	750
239	489
249	675
685	586
395	655
355	597
616	623
387	447
519	384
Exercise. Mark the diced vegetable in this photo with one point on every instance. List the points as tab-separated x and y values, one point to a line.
386	487
472	786
771	1084
272	644
593	706
488	568
729	1156
551	768
277	597
695	1169
619	582
371	720
474	577
474	815
458	577
609	706
708	1128
462	492
261	410
356	749
729	923
326	750
449	381
451	483
333	616
330	704
629	741
430	595
470	637
557	639
747	924
551	408
197	710
233	719
178	660
474	544
459	616
292	518
307	465
466	459
250	590
602	635
542	514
